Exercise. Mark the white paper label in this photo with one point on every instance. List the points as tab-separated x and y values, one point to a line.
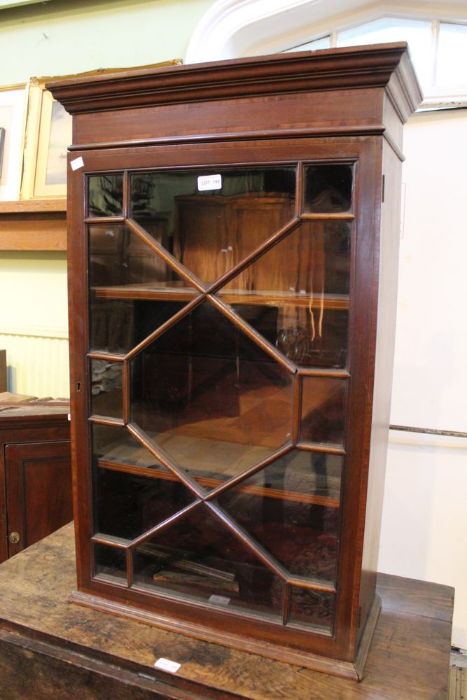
219	600
77	163
167	665
209	182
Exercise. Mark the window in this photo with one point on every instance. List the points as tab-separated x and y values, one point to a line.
438	50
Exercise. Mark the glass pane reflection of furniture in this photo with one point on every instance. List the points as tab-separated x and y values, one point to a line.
213	300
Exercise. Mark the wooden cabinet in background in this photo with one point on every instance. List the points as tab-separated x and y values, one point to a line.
35	475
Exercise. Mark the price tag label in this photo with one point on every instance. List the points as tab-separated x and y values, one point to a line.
77	163
209	182
167	665
219	600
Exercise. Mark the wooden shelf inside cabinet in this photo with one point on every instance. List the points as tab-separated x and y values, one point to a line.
33	225
134	460
157	292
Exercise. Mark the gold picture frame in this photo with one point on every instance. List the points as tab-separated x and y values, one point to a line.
48	134
13	103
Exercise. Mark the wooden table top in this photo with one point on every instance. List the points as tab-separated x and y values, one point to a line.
51	648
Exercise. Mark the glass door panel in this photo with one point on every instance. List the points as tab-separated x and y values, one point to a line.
323	410
105	195
291	508
210	397
310	608
198	558
106	388
220	302
128	505
297	294
328	188
213	218
110	564
113	447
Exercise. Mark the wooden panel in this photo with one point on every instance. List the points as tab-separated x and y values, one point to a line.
313	113
38	477
33	206
33	225
33	231
387	260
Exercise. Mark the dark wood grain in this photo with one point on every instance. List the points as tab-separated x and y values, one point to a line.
51	649
38	489
35	473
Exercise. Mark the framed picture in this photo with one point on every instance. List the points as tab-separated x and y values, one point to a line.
48	135
13	101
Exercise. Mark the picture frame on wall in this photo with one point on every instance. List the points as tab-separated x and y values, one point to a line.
48	134
13	104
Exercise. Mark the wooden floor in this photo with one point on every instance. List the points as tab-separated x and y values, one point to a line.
53	649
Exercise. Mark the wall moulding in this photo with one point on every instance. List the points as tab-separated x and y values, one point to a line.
235	28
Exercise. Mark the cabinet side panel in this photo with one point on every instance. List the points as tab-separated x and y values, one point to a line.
386	324
3	521
77	308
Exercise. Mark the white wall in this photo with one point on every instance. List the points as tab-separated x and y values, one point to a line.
424	533
68	37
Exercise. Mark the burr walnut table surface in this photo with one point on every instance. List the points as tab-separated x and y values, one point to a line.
51	648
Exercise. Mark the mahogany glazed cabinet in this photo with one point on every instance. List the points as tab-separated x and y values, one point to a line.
233	238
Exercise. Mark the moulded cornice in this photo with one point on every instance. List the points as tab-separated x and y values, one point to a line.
382	65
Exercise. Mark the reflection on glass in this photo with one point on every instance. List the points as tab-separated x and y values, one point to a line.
127	505
118	325
198	558
110	562
106	388
121	264
105	195
114	446
296	294
328	188
323	410
211	230
208	395
312	608
281	506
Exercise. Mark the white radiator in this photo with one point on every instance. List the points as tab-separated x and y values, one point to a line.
37	365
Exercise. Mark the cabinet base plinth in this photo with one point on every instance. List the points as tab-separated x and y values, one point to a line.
303	658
